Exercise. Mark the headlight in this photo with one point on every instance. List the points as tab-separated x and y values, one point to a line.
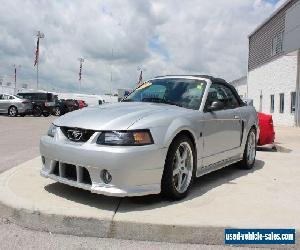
125	138
52	130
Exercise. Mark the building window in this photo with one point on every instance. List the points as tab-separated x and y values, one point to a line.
272	104
293	102
277	44
281	103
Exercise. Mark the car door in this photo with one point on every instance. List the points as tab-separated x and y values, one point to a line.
222	128
4	103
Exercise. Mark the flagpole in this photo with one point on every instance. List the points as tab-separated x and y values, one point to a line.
37	55
81	60
111	75
15	74
140	69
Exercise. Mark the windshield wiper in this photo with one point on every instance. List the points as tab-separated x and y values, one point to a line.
159	100
127	100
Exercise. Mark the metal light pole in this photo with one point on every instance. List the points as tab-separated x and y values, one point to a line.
39	36
81	60
15	76
111	74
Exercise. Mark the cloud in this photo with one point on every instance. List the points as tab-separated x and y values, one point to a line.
164	37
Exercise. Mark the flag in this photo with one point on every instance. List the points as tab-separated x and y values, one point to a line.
37	52
141	77
80	69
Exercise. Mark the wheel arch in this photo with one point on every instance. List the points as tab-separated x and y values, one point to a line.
185	132
12	106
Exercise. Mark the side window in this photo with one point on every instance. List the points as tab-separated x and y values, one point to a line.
215	93
35	96
231	100
6	97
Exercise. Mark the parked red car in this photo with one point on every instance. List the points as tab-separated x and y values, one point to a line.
82	104
267	132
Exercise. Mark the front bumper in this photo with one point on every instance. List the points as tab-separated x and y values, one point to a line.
135	170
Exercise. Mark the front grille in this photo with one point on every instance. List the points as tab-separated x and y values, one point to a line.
72	172
86	179
77	134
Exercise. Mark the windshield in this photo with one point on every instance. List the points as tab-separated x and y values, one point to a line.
185	93
18	96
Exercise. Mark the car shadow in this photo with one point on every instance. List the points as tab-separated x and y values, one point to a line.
82	196
200	186
276	148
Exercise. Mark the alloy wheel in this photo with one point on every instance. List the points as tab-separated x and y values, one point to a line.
13	111
251	148
183	167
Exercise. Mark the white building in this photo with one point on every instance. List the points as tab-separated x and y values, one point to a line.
241	86
274	65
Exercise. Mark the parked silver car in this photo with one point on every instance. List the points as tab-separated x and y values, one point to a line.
14	105
168	131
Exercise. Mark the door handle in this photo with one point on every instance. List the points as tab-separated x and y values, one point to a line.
236	117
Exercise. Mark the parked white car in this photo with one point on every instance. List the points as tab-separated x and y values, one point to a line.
168	131
14	105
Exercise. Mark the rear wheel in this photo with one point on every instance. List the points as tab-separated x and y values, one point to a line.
250	151
12	111
179	170
37	111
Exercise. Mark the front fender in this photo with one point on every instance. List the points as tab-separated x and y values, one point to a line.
176	127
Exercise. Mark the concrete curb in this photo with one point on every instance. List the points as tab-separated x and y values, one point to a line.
31	215
109	229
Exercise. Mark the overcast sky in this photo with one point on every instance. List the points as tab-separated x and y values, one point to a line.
162	36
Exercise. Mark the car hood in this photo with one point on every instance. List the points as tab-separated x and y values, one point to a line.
116	116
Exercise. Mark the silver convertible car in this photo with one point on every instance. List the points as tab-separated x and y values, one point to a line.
168	131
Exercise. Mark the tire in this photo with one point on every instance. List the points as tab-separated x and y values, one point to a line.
13	111
176	168
249	155
37	111
57	111
45	113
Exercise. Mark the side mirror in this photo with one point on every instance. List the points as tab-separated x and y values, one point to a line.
216	105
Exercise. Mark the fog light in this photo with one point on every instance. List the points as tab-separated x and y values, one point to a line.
106	176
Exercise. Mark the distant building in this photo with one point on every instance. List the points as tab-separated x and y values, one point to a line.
123	93
274	65
241	86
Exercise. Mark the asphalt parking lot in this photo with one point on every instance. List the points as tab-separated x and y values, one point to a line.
19	138
270	189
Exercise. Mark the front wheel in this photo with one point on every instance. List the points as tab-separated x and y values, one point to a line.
179	170
13	111
250	151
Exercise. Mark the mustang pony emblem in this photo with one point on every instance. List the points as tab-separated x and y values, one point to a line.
74	135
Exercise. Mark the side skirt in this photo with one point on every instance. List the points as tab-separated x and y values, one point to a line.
216	166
